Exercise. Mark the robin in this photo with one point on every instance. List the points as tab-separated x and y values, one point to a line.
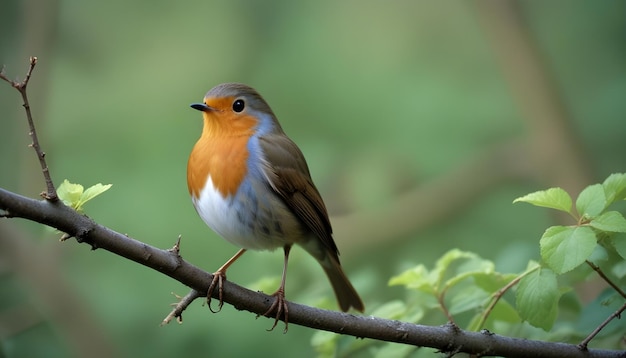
251	184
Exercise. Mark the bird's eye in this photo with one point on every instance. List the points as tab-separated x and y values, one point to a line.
238	105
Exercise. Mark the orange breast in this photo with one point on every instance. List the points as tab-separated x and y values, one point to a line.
221	152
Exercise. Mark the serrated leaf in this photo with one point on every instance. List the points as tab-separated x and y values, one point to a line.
615	187
591	201
537	297
611	221
70	193
564	247
554	198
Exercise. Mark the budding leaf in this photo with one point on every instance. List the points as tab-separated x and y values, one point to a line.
74	195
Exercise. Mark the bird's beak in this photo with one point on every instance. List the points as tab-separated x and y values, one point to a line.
201	107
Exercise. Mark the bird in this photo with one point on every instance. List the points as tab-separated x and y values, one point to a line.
250	183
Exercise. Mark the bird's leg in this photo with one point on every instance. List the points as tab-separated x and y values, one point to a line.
280	304
218	280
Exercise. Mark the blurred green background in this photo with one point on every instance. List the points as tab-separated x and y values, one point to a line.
421	121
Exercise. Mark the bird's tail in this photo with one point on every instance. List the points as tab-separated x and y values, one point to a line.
345	292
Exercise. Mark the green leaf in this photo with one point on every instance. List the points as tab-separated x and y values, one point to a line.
591	201
417	278
615	187
565	247
470	298
611	221
70	193
94	191
74	195
503	311
465	266
493	282
554	198
443	264
537	298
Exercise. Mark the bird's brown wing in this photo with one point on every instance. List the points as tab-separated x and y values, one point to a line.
289	176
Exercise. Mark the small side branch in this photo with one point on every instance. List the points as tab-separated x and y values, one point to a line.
50	193
592	335
183	303
616	314
495	298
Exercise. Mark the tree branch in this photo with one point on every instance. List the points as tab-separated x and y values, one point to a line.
447	338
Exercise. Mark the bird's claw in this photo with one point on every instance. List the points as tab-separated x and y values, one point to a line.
218	280
281	308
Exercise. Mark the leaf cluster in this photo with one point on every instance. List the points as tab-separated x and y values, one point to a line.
467	290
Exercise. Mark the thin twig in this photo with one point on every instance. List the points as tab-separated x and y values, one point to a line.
616	314
51	193
182	305
605	278
444	308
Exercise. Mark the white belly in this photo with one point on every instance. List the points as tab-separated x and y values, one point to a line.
251	219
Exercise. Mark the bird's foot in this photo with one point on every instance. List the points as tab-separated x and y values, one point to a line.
218	280
280	307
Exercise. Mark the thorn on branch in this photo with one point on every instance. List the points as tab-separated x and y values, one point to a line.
176	248
452	326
